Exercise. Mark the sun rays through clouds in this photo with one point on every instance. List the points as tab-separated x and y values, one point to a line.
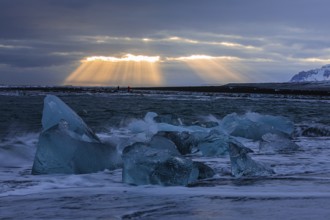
141	70
129	70
213	69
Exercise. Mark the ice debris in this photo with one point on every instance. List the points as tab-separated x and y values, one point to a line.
209	143
183	140
67	145
55	111
159	163
215	143
242	164
277	143
253	125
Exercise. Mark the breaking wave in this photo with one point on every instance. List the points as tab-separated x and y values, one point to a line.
312	130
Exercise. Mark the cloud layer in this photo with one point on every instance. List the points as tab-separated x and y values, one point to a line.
44	41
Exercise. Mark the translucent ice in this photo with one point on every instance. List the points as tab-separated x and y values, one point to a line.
204	170
183	141
55	110
68	145
209	143
214	144
277	143
163	144
156	163
242	164
254	125
146	165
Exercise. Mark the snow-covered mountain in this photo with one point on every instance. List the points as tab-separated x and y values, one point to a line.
322	74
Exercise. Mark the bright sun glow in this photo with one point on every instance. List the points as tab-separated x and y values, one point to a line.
193	57
202	57
141	70
129	70
126	58
213	69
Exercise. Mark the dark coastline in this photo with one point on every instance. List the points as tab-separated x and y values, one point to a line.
305	88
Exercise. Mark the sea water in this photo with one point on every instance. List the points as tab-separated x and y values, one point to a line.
300	189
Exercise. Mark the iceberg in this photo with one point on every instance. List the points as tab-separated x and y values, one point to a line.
209	143
214	144
159	163
277	143
253	125
183	141
163	144
204	170
55	111
242	164
67	145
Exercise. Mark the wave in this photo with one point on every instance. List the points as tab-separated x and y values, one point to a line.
17	151
312	130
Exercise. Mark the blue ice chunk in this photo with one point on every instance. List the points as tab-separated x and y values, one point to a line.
277	143
145	165
209	143
164	144
69	145
183	141
253	125
159	163
55	110
242	164
58	152
214	144
204	170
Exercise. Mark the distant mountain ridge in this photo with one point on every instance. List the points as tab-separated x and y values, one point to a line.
315	75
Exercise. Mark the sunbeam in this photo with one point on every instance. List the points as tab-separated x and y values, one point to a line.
129	70
213	69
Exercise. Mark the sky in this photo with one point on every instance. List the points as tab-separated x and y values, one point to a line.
160	42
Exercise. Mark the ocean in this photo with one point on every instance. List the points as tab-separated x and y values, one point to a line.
299	189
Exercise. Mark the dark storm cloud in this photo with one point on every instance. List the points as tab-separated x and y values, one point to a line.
35	18
48	33
31	60
33	53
